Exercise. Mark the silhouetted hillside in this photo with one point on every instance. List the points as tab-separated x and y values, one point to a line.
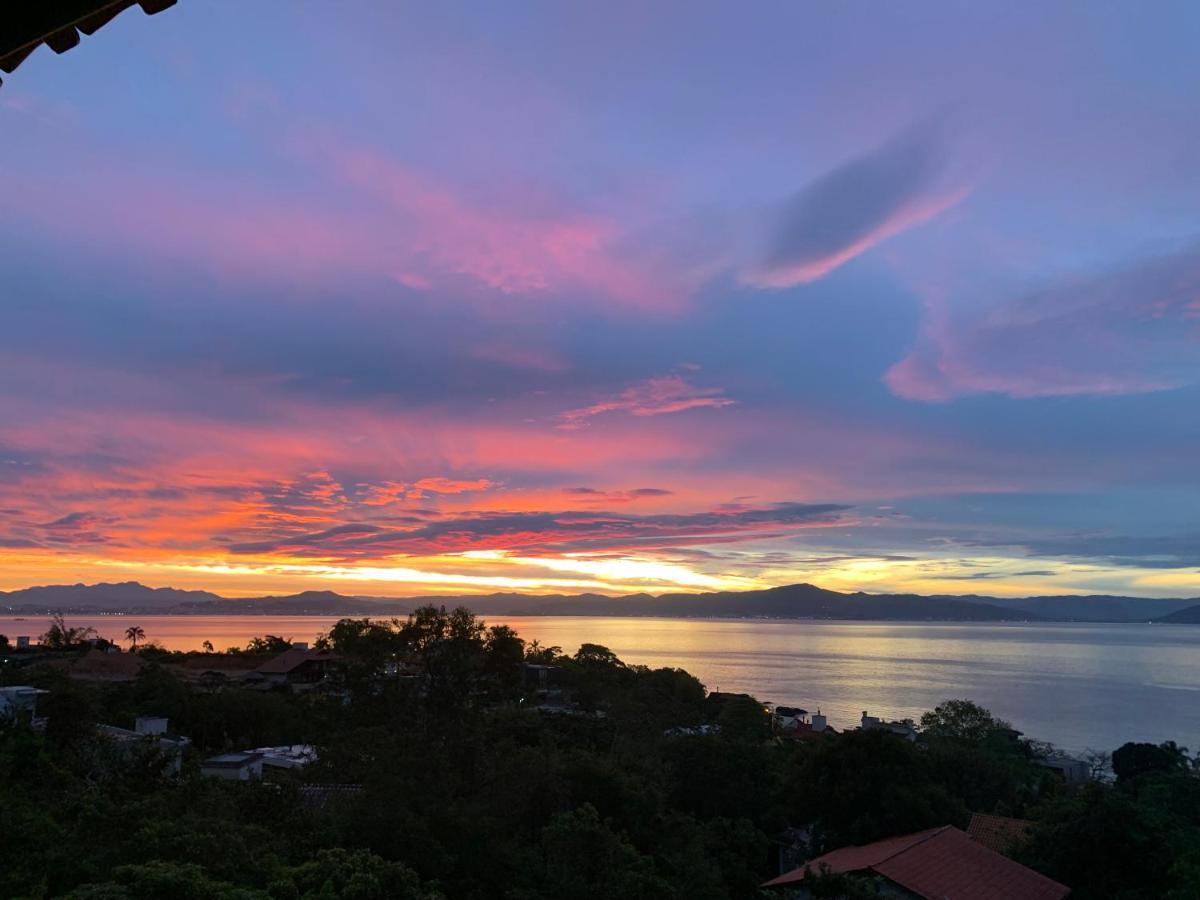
1090	608
796	601
127	595
1189	615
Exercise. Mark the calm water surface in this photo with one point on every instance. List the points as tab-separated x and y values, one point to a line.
1078	686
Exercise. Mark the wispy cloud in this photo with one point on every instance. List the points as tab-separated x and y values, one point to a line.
1128	331
548	531
653	397
593	496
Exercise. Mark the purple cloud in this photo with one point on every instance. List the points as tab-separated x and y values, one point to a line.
1131	331
855	206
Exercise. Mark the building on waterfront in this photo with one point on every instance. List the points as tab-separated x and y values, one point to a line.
931	865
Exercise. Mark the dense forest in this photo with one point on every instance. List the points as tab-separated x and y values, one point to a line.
457	761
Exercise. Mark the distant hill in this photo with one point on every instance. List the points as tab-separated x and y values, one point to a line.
1189	615
1089	608
796	601
127	595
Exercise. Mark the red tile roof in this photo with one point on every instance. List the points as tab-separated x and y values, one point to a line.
939	864
999	833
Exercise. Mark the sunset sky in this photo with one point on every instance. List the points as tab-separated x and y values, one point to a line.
557	297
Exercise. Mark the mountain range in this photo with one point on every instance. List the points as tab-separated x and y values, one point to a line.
804	601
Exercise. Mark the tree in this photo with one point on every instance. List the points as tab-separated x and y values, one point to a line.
597	655
158	879
269	643
744	719
207	646
536	654
339	874
865	785
369	642
450	647
964	721
1132	760
133	634
3	642
505	658
585	859
60	636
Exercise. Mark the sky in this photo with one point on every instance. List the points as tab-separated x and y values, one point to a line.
399	299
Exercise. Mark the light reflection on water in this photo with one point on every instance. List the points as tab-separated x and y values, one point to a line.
1076	685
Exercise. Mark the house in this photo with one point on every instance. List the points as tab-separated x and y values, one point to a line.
18	703
790	717
999	833
149	733
796	724
300	668
906	728
290	756
234	766
1068	768
937	864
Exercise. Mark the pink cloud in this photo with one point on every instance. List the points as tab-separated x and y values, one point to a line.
376	217
654	397
436	232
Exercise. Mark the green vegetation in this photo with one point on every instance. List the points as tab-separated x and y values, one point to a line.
477	774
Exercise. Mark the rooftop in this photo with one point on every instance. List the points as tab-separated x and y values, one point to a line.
231	760
938	864
292	659
999	833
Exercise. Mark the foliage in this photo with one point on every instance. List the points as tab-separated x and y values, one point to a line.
269	643
464	789
1131	761
963	721
60	636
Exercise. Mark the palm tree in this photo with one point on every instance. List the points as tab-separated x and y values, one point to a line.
133	634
